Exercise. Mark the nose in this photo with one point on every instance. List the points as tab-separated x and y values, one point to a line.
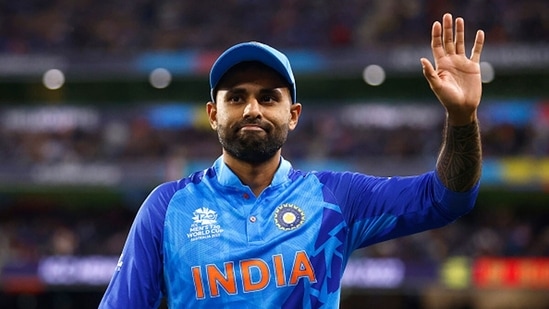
252	109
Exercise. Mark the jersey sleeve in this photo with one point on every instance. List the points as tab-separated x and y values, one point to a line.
382	208
138	278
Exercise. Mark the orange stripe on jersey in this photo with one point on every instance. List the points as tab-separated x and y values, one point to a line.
217	278
247	282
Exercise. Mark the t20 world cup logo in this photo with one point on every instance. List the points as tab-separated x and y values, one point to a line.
204	216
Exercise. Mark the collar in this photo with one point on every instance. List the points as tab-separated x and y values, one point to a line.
226	177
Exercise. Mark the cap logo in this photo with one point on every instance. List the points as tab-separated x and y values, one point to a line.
289	217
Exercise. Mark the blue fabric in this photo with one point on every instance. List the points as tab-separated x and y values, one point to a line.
252	51
207	242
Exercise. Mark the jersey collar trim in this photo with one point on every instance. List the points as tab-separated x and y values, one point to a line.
226	177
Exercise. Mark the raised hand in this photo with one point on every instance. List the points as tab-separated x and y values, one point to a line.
455	79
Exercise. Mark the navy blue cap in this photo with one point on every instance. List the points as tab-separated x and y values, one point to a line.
252	51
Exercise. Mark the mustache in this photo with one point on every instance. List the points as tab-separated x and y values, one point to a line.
254	122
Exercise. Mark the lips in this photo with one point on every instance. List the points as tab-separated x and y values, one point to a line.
252	127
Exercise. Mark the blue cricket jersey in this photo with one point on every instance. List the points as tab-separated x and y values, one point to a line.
206	241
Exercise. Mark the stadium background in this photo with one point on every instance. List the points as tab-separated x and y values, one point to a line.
99	102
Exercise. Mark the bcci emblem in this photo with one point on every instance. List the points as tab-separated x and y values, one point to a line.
288	217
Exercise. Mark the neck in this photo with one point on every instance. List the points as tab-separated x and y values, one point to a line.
257	176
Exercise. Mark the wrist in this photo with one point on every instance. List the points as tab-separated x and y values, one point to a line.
456	120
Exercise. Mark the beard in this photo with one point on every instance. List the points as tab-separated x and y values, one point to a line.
251	146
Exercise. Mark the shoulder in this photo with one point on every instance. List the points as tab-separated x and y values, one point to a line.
338	185
358	184
160	197
168	189
344	178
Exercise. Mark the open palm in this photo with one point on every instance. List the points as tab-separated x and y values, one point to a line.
455	79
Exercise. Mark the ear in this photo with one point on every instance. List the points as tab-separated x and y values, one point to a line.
211	109
295	112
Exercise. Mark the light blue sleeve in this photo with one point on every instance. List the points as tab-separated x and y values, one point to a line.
138	278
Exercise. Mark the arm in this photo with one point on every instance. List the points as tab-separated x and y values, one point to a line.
137	280
377	209
459	161
456	82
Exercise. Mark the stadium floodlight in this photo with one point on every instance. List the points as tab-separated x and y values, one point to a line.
373	75
160	78
487	72
53	79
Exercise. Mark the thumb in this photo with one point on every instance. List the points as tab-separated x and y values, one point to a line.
429	72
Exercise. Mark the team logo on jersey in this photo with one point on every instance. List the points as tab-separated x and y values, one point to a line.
204	225
289	217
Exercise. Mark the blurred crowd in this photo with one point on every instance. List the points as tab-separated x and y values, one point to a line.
51	135
32	230
505	230
119	26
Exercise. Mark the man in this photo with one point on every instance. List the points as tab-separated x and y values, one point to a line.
252	232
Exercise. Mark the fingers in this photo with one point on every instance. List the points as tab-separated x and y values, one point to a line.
429	73
442	37
448	34
436	40
460	36
444	43
477	47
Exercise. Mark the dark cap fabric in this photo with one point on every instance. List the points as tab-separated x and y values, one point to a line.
252	51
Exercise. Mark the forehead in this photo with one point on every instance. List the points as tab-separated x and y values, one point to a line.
251	72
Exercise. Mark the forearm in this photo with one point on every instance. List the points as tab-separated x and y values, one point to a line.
460	159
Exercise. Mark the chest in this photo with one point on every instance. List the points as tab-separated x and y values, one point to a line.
204	224
247	244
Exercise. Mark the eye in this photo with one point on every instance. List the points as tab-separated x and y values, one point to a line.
268	99
235	99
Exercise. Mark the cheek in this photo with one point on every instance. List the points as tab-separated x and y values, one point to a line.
224	121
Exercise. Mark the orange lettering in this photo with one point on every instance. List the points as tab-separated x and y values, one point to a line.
302	268
253	274
280	276
198	284
225	280
248	283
